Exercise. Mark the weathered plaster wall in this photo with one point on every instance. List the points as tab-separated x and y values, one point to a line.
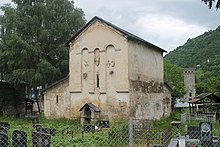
167	101
146	81
98	36
145	63
57	101
99	53
150	105
110	107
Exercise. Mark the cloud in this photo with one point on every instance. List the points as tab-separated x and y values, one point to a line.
168	31
166	23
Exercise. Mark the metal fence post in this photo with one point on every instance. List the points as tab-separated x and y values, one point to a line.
130	131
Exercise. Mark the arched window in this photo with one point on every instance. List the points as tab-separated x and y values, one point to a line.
97	57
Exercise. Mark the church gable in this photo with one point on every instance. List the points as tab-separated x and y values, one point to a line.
111	26
94	55
97	35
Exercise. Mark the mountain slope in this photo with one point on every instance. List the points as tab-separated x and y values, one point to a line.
197	51
202	53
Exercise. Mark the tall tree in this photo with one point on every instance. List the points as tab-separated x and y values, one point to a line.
210	3
33	35
173	75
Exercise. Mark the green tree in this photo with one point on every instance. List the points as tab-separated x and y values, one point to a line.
33	35
217	85
210	3
173	75
207	82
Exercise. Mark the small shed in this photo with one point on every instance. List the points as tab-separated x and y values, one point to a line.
206	104
89	113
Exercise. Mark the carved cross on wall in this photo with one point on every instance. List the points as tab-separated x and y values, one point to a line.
86	63
110	63
97	57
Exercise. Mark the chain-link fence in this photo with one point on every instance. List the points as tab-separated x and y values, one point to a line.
134	133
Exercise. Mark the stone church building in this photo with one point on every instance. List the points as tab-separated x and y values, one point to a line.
112	73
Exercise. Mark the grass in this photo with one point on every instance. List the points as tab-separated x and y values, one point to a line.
69	132
164	123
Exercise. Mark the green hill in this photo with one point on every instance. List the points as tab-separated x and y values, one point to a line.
197	51
202	53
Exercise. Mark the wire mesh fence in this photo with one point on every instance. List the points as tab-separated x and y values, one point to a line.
118	135
133	133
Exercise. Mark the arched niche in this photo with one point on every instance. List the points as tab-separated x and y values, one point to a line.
97	57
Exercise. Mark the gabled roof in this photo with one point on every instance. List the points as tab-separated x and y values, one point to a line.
202	96
90	105
128	35
54	84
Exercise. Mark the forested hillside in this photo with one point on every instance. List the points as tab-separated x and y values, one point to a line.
202	53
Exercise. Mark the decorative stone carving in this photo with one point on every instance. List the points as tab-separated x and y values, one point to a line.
97	57
86	63
110	63
111	72
85	75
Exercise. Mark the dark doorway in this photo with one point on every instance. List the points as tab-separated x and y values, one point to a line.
87	115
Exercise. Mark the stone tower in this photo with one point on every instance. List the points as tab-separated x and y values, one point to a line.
189	82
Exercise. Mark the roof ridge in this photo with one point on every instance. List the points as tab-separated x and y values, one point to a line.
128	34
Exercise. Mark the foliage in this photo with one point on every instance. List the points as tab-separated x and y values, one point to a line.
203	54
210	3
164	122
32	38
174	77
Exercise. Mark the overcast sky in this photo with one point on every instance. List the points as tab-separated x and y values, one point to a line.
165	23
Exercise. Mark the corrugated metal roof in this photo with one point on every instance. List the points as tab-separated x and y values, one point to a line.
126	33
